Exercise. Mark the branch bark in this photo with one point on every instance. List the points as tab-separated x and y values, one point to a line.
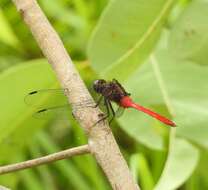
101	141
45	159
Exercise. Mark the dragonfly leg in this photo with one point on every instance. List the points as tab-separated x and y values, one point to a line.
113	112
98	102
109	109
102	115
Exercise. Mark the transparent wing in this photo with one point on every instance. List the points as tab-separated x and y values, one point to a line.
58	112
50	103
119	112
46	98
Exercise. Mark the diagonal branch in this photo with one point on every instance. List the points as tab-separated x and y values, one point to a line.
101	141
45	159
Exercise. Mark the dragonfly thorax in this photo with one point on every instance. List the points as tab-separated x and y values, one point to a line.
111	90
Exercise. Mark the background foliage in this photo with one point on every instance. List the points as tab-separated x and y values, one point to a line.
156	49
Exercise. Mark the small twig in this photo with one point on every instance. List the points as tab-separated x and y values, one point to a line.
45	159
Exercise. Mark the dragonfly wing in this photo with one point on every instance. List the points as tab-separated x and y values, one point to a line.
46	98
51	98
58	112
50	103
119	112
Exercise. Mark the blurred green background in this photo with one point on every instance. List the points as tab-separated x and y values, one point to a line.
157	49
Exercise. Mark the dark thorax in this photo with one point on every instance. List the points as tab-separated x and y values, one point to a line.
111	90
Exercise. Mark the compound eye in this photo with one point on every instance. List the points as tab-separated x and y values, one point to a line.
96	82
98	85
99	82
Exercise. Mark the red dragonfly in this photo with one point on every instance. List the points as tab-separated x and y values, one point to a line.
112	91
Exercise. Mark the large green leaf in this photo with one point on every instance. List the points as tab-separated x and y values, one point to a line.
182	160
191	28
17	122
186	90
142	128
185	82
17	126
125	35
180	151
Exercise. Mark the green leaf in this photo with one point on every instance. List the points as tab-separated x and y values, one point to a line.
181	162
182	88
187	91
58	10
190	96
125	35
17	126
199	177
183	92
141	171
142	128
17	122
191	28
7	36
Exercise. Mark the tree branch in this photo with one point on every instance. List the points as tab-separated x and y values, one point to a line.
101	141
45	159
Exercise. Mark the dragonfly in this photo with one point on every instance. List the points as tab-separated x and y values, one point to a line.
110	92
113	91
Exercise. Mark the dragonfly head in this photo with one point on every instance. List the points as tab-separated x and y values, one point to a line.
98	85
